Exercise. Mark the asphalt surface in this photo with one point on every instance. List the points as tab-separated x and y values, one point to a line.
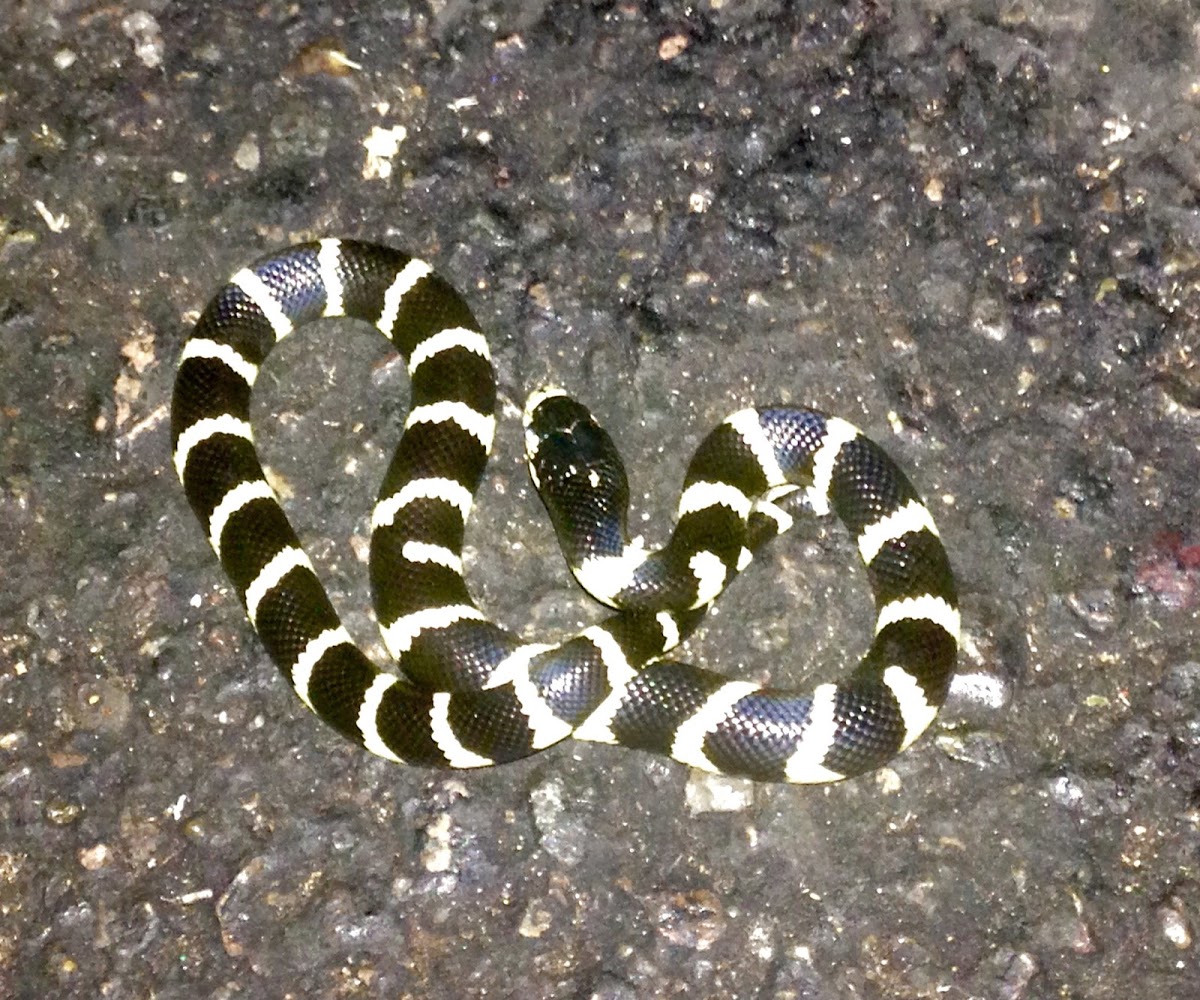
972	230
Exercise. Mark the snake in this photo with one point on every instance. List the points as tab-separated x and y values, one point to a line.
465	692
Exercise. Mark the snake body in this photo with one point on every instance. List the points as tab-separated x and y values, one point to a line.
467	693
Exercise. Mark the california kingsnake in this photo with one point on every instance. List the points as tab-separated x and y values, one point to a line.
470	694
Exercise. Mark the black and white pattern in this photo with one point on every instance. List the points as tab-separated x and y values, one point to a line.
467	693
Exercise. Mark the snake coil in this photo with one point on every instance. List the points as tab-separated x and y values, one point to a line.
468	693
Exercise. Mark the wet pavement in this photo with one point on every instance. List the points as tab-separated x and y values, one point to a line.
971	230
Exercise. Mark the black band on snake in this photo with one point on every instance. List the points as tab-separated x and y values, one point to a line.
467	693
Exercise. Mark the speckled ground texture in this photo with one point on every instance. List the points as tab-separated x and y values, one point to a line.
972	229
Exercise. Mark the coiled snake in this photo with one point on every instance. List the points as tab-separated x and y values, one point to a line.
468	693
